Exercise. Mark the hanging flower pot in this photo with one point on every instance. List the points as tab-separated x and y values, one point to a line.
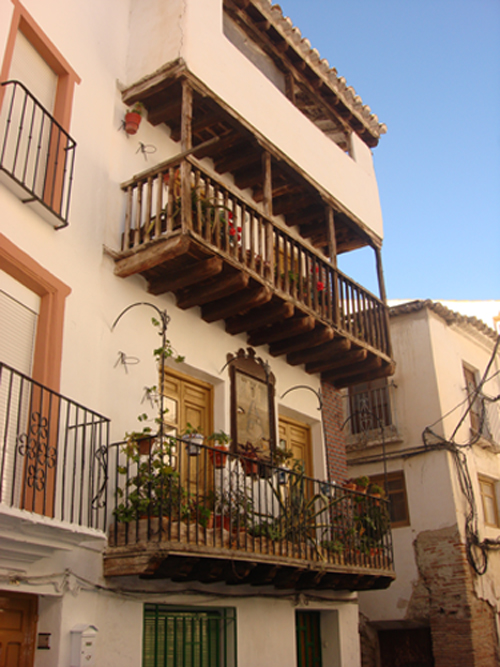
133	118
193	443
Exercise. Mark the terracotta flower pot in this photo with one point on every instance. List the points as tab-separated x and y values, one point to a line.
218	455
132	122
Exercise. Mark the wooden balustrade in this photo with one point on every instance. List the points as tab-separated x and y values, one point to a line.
230	226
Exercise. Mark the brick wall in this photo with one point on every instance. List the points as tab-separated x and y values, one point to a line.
333	418
463	626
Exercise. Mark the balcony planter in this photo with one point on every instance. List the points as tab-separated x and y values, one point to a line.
133	118
218	455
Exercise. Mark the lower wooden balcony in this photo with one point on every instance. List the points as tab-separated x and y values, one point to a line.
190	233
211	516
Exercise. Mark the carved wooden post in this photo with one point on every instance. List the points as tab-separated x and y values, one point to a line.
332	251
383	297
268	210
186	144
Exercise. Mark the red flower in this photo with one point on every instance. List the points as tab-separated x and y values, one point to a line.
239	229
232	231
320	286
230	215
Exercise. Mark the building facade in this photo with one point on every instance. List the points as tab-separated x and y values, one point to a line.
177	181
436	424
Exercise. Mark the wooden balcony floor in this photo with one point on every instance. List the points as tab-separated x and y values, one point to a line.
225	289
213	555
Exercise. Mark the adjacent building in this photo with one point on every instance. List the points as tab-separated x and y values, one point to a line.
177	180
431	436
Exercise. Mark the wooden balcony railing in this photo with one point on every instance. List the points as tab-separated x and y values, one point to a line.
189	511
182	198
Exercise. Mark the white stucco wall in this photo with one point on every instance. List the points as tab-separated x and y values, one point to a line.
197	36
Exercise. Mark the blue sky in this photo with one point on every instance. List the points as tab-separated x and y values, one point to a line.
430	70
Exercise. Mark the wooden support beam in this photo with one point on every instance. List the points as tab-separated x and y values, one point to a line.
305	216
318	336
371	364
328	351
260	317
148	257
282	330
352	357
383	372
191	275
287	577
244	156
218	288
332	240
268	183
164	113
247	178
251	297
186	145
225	141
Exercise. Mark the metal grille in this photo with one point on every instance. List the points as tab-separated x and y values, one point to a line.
189	637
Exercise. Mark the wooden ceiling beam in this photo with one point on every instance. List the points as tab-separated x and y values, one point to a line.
371	364
336	347
237	303
191	275
241	157
383	372
248	177
165	113
318	336
224	285
327	364
281	330
260	317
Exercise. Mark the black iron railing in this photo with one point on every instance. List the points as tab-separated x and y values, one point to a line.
191	494
369	412
35	151
53	453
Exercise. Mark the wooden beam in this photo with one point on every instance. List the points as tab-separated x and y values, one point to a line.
371	364
218	288
282	330
150	256
332	240
235	304
268	183
186	277
244	158
248	177
318	336
260	317
352	357
329	350
385	371
186	145
165	112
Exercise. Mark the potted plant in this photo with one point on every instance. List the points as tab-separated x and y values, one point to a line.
220	448
250	459
193	437
133	118
281	455
362	484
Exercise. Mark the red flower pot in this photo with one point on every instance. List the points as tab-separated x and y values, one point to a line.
218	456
132	122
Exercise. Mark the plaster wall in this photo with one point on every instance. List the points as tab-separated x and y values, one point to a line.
196	35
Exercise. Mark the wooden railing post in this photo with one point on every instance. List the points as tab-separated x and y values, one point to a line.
383	297
332	250
268	210
186	144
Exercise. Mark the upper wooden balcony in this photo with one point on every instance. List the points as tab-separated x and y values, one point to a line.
252	241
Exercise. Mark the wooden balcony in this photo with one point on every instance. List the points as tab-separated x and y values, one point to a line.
189	232
211	517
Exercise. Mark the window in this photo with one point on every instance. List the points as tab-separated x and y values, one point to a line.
36	151
489	501
396	494
474	402
308	636
369	406
189	637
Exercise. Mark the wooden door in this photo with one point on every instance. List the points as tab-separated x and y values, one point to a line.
17	629
188	401
296	436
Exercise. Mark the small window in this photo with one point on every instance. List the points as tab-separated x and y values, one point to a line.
396	494
489	501
369	406
189	637
474	402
